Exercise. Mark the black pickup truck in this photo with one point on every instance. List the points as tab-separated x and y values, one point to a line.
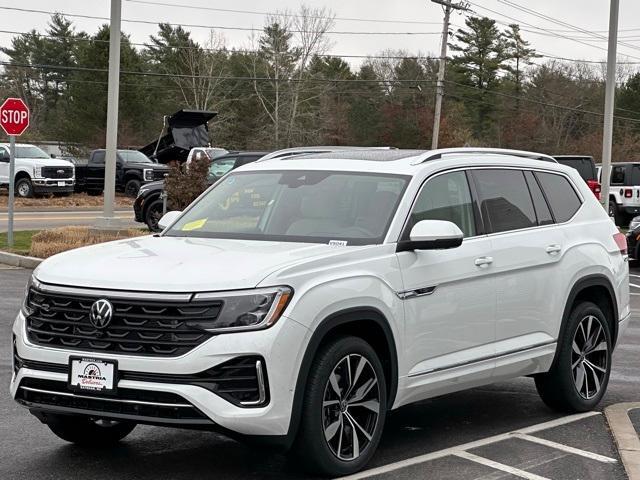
133	169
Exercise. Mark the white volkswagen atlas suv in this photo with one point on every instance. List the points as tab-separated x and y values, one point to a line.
300	299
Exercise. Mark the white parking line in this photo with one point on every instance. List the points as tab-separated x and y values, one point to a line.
634	285
468	446
634	275
565	448
499	466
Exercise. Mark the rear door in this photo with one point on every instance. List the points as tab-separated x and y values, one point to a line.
526	248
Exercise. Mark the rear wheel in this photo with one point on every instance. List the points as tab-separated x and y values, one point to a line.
88	431
344	408
615	213
153	215
24	187
579	377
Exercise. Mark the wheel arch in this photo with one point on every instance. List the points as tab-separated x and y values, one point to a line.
368	323
598	289
20	174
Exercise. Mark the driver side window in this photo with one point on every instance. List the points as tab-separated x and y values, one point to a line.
445	197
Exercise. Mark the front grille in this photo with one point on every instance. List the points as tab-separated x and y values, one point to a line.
138	327
57	172
145	405
160	174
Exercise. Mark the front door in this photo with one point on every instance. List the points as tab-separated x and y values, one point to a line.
4	166
449	296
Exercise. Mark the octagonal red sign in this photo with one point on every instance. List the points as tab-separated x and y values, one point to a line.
14	116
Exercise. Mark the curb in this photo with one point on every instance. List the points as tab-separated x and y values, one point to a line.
16	260
72	209
625	436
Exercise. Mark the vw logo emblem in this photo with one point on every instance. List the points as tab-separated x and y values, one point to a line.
101	313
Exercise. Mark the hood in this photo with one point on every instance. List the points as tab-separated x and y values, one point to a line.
171	264
43	162
152	166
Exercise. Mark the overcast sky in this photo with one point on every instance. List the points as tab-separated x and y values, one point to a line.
591	15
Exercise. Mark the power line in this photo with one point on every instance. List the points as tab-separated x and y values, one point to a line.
211	77
217	50
283	14
209	27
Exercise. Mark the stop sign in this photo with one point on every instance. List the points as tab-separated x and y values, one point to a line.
14	116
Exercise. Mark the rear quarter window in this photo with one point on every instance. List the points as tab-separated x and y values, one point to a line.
561	195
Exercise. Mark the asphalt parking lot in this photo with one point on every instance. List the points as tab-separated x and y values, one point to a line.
500	431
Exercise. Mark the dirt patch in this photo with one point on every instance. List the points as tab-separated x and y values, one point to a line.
49	242
73	200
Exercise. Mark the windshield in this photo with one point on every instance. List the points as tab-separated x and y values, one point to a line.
30	152
214	153
134	156
296	206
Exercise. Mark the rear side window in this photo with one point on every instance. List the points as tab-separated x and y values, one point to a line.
505	201
584	166
563	199
540	204
98	157
617	175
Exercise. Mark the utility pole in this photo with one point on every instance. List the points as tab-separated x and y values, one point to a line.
108	220
448	6
609	100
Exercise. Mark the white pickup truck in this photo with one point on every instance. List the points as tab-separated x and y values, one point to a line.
624	191
36	172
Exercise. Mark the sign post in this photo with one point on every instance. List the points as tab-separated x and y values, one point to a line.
14	120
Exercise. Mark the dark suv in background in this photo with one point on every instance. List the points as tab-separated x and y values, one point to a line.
148	206
586	167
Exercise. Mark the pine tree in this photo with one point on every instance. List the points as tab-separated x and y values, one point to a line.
518	55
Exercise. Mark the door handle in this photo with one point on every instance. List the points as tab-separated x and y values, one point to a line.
553	249
483	261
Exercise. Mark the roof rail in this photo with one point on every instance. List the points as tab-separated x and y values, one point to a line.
437	154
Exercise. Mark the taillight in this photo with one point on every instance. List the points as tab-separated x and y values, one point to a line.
595	187
628	193
621	242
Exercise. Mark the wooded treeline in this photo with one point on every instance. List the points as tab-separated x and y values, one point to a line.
285	89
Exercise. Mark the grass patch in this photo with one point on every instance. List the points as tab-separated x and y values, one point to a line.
56	240
21	242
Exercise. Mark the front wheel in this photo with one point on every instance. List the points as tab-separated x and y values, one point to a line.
131	188
24	188
579	377
153	215
344	408
616	213
88	431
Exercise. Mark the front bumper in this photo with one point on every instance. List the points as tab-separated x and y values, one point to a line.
632	243
281	346
47	185
631	210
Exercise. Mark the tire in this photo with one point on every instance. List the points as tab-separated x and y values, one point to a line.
577	382
24	187
615	213
324	415
86	431
152	214
131	187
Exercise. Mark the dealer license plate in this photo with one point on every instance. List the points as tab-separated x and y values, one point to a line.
89	374
61	184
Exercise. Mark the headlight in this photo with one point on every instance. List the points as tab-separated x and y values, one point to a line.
635	222
247	309
25	308
37	172
148	175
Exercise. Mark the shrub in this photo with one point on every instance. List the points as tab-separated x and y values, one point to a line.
183	185
49	242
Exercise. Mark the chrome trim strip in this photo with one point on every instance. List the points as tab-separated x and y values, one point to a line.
481	359
262	393
417	292
134	402
120	294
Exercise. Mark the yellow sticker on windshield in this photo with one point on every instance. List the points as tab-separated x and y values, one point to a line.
195	225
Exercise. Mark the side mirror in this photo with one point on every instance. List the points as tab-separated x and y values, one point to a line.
432	235
168	219
53	155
